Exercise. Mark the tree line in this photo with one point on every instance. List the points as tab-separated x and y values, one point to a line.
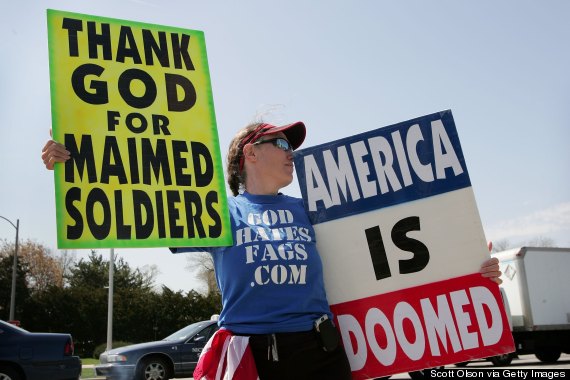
57	293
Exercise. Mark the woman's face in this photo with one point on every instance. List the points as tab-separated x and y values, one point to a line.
274	164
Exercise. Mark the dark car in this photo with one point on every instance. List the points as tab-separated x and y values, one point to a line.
174	356
36	356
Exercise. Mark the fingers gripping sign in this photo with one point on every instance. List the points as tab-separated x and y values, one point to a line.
53	152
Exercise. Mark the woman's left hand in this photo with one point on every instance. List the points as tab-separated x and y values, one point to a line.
490	269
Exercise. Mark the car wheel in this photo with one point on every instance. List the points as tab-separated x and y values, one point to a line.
7	373
153	369
548	355
501	360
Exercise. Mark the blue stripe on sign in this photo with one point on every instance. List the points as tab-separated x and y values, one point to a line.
400	163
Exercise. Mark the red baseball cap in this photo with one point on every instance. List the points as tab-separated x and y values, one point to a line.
294	132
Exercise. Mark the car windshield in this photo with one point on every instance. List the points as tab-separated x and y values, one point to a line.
187	331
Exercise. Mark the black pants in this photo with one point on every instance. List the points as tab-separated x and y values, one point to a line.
297	356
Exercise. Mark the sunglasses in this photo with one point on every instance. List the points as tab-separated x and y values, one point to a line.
279	142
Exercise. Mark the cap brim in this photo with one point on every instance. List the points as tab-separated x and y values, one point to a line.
295	133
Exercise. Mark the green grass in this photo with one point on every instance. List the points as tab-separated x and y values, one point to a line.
89	373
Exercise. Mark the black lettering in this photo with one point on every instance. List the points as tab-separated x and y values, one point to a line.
180	51
172	199
160	124
193	205
143	204
127	46
378	253
75	231
132	100
112	164
123	230
112	120
99	231
160	217
180	163
79	158
96	39
73	26
215	230
133	160
143	124
203	164
421	254
156	161
159	49
100	93
189	99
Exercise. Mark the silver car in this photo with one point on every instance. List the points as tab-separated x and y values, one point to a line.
174	356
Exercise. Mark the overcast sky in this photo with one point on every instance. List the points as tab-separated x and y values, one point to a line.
342	67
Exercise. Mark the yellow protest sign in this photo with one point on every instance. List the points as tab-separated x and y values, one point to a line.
133	104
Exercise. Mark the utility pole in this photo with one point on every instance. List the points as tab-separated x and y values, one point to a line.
110	302
14	269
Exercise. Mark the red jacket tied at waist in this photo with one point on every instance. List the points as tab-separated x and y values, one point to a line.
226	357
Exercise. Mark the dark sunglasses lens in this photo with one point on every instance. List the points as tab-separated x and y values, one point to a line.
283	144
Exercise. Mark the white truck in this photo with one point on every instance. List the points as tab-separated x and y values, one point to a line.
536	283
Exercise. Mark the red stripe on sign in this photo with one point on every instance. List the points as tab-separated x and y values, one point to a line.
426	326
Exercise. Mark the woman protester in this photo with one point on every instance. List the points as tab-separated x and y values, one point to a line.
272	230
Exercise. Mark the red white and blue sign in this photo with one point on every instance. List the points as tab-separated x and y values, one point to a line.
401	241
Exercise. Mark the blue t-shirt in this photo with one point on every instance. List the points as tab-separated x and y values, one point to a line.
271	279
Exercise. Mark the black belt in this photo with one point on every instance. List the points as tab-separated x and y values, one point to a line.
279	340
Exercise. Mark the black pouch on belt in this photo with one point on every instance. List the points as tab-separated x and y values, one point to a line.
327	334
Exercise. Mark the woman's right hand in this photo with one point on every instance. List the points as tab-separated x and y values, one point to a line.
54	152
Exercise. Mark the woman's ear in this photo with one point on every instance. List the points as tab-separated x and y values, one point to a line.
249	153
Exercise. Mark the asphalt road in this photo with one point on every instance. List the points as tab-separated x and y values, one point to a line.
523	362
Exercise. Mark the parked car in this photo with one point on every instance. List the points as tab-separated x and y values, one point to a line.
36	356
174	356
